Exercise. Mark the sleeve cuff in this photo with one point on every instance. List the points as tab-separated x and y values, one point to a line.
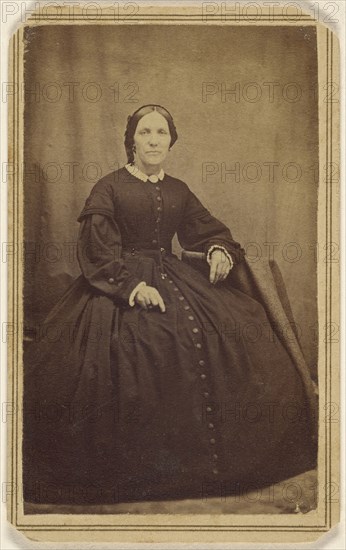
219	247
134	292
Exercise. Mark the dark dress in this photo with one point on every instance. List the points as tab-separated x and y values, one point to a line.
123	404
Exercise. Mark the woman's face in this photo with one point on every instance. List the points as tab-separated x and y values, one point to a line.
152	140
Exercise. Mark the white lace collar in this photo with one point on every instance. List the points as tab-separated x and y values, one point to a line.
144	177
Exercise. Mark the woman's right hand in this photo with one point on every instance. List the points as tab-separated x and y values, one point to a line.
148	297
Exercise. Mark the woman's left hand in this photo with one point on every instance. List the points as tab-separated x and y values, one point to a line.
219	266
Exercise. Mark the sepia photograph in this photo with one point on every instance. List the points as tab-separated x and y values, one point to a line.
174	295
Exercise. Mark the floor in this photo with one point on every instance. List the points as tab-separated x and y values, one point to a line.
294	495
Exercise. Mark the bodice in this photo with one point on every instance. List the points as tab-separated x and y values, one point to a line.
146	214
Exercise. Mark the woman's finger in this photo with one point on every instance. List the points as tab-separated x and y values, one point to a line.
154	300
147	300
161	304
151	298
224	270
159	300
219	272
141	303
213	267
224	273
223	276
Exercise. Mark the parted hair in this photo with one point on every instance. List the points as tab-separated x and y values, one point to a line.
132	121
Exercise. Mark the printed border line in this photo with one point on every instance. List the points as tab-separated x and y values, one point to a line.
17	140
326	294
177	527
86	15
183	528
155	18
13	287
15	136
20	34
330	270
14	275
15	283
15	280
191	16
328	278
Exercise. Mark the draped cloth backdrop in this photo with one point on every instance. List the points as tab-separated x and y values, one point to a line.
245	106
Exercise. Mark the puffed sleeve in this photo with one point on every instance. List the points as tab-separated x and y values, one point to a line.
99	247
199	231
99	256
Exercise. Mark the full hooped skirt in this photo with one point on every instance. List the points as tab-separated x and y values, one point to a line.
123	404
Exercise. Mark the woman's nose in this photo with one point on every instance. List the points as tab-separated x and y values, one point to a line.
153	139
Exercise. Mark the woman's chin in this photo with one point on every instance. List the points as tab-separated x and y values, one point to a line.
154	160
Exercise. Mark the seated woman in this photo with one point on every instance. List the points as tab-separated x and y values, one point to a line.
152	389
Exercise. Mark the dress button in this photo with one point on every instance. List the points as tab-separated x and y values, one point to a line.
159	208
111	280
215	456
195	330
175	289
155	230
158	199
154	241
181	298
203	376
157	188
206	394
215	471
191	317
199	346
209	409
212	441
210	425
186	308
170	281
201	363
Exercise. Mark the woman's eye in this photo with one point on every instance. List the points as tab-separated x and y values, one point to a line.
162	132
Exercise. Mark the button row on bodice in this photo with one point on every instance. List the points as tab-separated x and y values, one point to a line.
159	210
203	376
156	241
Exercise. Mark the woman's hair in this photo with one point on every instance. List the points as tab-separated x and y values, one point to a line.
132	121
